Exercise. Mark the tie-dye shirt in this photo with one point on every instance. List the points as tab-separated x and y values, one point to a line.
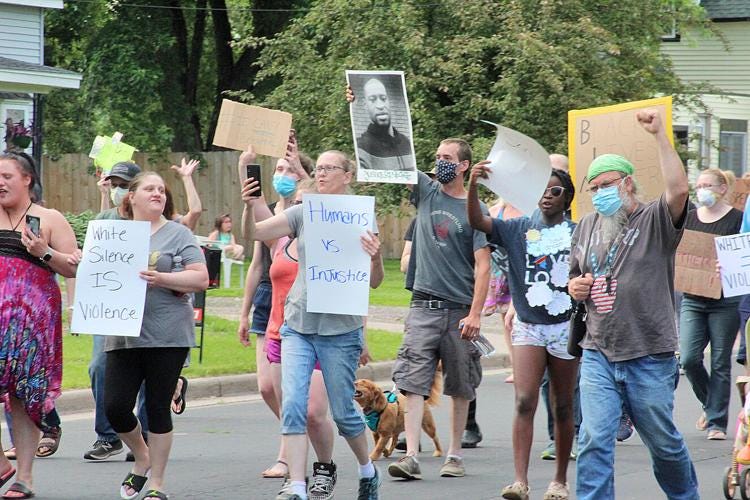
538	261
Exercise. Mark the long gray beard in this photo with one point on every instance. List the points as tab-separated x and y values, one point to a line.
612	226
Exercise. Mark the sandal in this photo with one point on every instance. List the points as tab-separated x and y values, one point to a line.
22	489
5	477
557	491
10	453
271	474
717	435
155	494
49	443
516	491
133	481
702	423
180	400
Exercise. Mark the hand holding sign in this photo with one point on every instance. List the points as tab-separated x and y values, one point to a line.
519	169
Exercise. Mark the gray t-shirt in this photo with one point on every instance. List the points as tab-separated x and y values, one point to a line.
631	305
295	308
445	253
167	317
109	214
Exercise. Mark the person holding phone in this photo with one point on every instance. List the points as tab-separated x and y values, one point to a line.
31	323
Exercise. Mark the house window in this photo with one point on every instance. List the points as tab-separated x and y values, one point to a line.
733	146
682	141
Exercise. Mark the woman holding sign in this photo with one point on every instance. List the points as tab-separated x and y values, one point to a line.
35	243
336	340
538	264
705	321
176	268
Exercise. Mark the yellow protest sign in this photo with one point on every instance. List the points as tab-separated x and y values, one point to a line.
614	129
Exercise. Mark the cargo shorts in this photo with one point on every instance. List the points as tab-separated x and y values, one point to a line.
432	335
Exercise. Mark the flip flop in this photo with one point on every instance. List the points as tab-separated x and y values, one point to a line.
156	494
5	477
275	475
135	482
180	400
21	488
10	453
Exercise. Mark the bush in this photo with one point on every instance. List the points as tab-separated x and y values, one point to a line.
79	223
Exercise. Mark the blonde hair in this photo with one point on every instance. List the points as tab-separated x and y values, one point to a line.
724	177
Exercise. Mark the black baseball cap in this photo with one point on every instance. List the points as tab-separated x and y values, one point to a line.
125	170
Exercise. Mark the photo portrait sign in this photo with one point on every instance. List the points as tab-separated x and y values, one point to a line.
695	265
381	126
734	258
110	295
520	169
338	268
615	129
240	125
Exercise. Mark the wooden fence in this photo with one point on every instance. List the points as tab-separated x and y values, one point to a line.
68	187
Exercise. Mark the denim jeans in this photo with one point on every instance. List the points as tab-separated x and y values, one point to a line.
576	405
714	322
646	386
744	312
97	369
339	358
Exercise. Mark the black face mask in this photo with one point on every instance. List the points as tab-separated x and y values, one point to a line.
445	171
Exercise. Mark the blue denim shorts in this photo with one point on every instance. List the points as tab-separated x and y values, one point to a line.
261	309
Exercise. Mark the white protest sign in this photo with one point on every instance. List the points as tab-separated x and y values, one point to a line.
520	169
110	295
338	269
734	258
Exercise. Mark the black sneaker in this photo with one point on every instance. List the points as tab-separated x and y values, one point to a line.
401	445
323	481
472	436
368	487
102	450
129	457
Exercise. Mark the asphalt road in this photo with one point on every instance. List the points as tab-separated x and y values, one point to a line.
222	446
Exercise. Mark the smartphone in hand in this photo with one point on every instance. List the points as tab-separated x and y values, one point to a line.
253	171
33	223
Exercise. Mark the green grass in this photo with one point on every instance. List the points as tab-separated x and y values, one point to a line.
222	353
390	293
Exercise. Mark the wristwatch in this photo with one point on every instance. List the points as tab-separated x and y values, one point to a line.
47	255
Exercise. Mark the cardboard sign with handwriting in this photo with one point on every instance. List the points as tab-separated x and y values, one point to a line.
738	196
615	129
695	265
240	125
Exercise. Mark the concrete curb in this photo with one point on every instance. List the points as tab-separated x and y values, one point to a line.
81	400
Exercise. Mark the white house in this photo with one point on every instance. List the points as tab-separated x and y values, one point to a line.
23	74
701	58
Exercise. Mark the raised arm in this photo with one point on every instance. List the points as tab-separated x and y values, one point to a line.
477	219
195	208
672	169
104	185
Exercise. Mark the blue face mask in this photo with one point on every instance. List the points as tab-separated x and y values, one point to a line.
607	200
284	185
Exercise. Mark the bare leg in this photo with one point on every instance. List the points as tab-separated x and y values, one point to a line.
413	423
563	376
296	450
528	371
265	378
274	372
26	437
458	423
134	441
359	446
159	446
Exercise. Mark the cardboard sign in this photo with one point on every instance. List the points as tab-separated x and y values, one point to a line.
520	169
110	295
615	129
338	269
738	196
695	265
734	257
240	125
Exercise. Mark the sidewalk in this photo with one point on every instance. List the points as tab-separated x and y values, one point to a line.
390	319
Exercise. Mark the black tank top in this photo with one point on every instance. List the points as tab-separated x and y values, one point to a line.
11	246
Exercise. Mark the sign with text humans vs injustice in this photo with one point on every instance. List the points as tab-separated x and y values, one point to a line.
338	269
734	258
110	294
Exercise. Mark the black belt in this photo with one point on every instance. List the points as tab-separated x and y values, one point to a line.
438	304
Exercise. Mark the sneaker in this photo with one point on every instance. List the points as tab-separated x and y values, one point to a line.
626	429
453	467
549	452
323	481
102	450
368	487
472	436
405	468
130	457
401	445
286	493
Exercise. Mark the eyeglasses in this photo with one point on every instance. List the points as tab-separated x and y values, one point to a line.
327	168
554	191
604	185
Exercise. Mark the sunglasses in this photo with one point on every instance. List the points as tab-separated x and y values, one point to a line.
554	191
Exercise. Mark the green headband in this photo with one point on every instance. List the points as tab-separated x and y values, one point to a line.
609	163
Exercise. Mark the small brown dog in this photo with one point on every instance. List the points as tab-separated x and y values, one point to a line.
386	419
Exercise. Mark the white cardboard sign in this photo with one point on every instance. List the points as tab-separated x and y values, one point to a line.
520	169
110	295
734	258
338	269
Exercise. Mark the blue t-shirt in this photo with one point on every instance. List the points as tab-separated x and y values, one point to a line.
538	262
